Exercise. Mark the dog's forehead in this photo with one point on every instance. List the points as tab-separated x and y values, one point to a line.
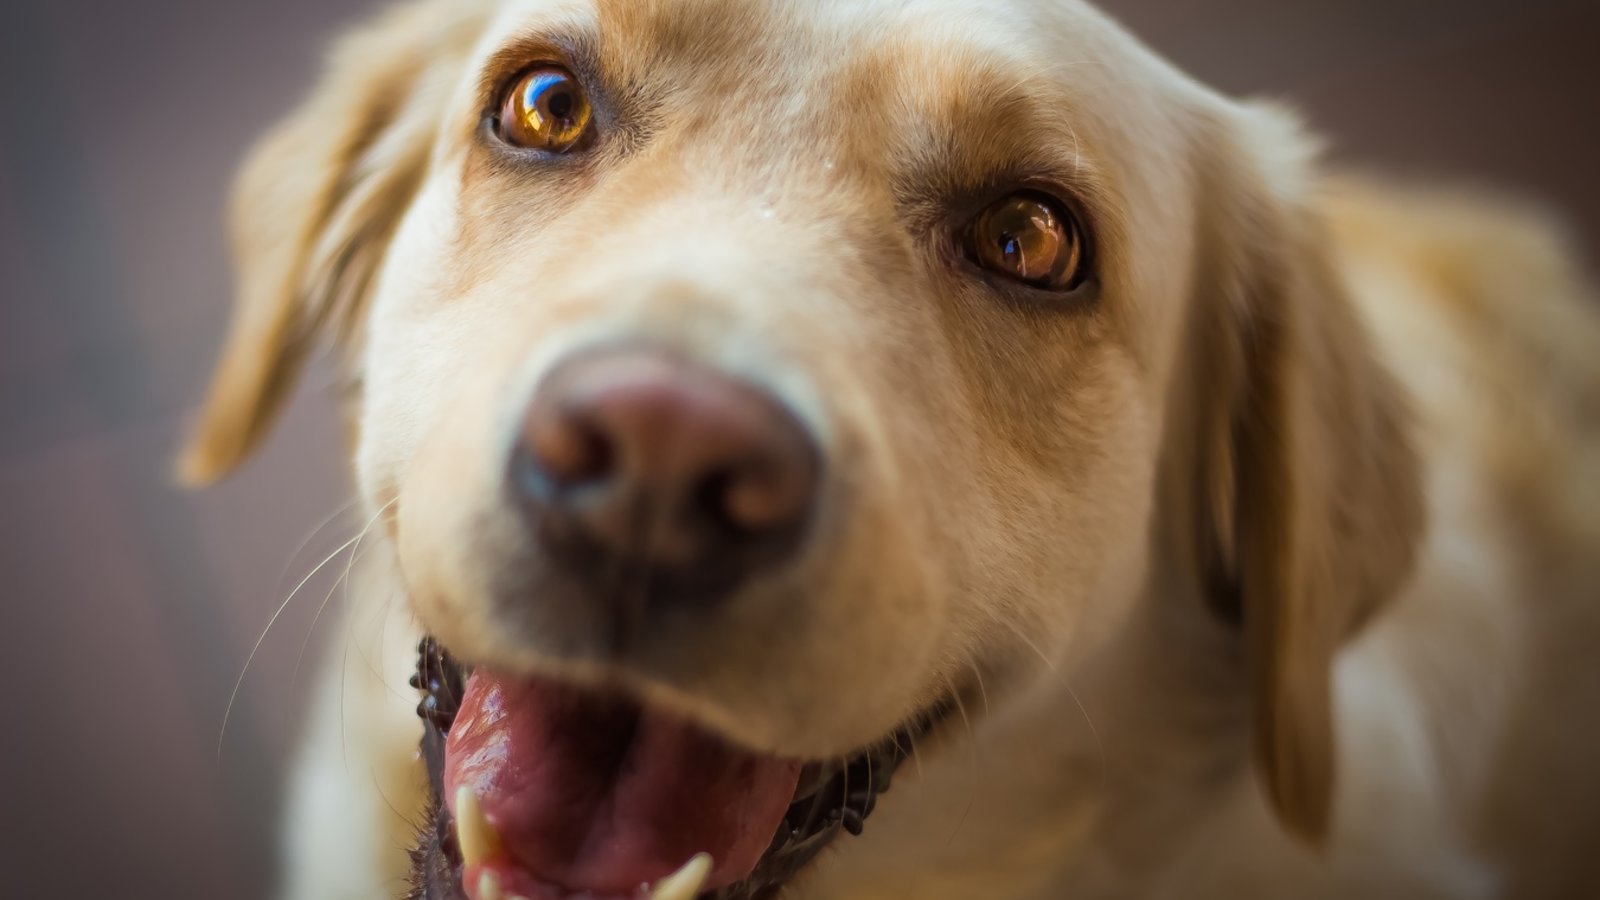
934	94
875	52
694	26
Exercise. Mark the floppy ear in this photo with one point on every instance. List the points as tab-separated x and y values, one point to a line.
1310	501
314	210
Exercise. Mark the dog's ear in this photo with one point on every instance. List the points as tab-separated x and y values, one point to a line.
314	209
1309	499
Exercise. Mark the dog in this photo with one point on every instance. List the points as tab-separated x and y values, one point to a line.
754	403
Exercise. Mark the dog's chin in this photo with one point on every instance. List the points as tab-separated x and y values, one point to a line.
546	791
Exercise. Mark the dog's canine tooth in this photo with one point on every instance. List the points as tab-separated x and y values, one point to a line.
489	887
475	836
685	883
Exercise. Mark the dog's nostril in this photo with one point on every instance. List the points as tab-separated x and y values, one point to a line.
761	497
644	459
567	449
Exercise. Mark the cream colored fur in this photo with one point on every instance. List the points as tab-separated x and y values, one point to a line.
1270	572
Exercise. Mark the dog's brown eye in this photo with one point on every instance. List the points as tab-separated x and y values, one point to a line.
1031	238
545	109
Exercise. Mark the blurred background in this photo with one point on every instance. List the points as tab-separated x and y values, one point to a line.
130	608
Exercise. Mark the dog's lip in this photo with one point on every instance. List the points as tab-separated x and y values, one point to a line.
830	797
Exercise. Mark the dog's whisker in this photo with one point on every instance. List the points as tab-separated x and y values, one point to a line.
1088	720
817	802
977	677
911	748
974	763
311	536
379	615
961	709
846	766
414	821
344	579
277	614
383	641
305	642
344	660
916	757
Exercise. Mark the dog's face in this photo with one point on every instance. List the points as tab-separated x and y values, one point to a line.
788	369
776	201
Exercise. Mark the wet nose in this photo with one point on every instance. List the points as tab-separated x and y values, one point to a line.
637	459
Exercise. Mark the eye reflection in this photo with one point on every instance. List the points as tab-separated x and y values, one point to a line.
1030	238
545	109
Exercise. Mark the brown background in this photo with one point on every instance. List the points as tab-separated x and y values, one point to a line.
130	608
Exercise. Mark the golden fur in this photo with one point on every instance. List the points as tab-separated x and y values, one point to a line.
1314	479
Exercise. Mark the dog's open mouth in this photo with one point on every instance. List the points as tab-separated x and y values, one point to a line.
544	791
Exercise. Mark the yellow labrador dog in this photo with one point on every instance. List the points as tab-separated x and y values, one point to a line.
758	402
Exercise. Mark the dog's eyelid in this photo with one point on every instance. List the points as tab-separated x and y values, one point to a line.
1078	195
948	203
574	50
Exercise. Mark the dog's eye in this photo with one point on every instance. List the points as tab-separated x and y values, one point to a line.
1031	238
545	109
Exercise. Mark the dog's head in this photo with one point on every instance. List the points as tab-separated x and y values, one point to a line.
778	368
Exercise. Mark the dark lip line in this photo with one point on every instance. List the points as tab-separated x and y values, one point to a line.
808	826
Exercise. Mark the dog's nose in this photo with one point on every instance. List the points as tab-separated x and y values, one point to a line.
638	460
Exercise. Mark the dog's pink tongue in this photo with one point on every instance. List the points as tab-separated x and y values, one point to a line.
598	796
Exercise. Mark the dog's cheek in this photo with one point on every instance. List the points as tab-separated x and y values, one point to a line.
448	527
1042	483
1079	526
875	632
886	610
405	357
443	345
457	537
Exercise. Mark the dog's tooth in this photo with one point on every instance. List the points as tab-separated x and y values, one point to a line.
489	887
685	883
475	836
